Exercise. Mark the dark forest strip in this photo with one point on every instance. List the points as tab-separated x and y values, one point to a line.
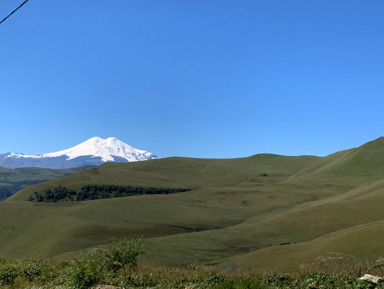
95	192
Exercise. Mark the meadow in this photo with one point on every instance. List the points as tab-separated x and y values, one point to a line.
255	216
116	266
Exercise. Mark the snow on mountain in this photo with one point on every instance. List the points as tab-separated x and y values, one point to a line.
107	149
94	151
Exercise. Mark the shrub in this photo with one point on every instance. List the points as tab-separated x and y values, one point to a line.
30	269
224	282
8	274
320	280
277	279
85	272
122	253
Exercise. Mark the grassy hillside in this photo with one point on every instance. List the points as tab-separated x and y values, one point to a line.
186	172
350	224
355	246
237	216
222	196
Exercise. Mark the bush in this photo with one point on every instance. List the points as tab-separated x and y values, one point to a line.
277	279
30	269
85	272
8	274
320	280
123	253
224	282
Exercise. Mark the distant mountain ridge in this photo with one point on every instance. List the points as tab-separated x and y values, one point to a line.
94	151
14	180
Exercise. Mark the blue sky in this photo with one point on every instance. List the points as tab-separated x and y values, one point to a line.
197	78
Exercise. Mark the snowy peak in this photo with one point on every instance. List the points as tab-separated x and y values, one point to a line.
92	152
107	149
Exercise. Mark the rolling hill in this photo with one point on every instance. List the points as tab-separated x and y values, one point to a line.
256	214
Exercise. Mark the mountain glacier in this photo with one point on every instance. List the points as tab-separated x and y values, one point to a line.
94	152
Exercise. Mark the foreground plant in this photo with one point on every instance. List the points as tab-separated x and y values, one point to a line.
122	253
110	265
96	267
85	272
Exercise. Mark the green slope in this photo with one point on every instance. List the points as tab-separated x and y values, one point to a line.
223	195
365	162
335	252
186	172
350	224
232	210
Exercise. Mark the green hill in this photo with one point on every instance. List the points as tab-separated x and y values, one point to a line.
257	213
185	172
349	224
221	196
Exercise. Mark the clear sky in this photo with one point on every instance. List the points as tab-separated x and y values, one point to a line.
197	78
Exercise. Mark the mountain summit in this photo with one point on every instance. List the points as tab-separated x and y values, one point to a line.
107	149
94	151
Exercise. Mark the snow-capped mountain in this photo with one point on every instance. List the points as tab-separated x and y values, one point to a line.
94	151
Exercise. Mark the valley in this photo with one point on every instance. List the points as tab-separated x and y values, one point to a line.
12	181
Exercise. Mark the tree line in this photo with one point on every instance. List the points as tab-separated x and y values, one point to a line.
95	192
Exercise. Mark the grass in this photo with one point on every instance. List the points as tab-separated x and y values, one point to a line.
185	172
237	213
88	271
350	247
